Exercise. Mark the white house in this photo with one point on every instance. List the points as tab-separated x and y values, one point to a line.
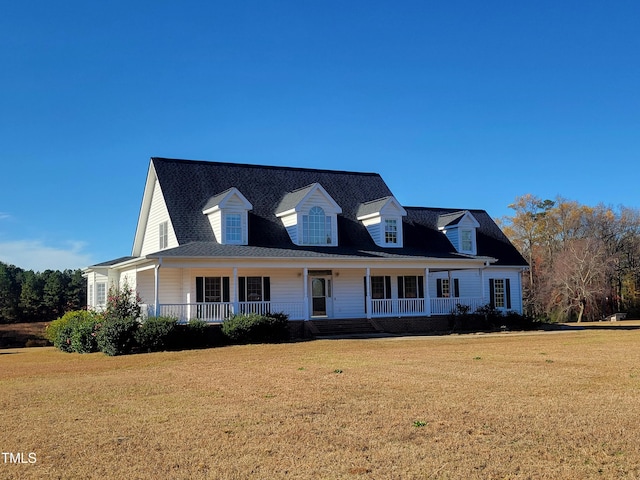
217	238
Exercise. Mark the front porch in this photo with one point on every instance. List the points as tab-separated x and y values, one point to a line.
217	311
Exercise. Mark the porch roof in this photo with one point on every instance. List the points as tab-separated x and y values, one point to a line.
215	250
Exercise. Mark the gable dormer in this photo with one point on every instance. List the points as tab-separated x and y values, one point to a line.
310	216
228	215
383	220
460	228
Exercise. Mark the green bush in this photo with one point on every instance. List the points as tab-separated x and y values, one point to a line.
117	336
156	333
84	335
256	328
61	332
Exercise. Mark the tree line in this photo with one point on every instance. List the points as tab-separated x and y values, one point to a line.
28	296
584	261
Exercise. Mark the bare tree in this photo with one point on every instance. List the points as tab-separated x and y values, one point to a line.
581	270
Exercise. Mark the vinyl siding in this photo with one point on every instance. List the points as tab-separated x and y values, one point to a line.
158	213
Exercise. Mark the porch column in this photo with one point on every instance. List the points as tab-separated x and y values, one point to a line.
156	288
236	305
427	297
482	284
305	292
368	292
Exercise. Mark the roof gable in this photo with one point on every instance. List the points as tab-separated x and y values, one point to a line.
455	219
382	206
221	201
293	201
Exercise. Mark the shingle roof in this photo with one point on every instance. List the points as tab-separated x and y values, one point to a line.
371	207
188	186
449	219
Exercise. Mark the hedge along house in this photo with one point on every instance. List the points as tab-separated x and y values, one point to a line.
217	238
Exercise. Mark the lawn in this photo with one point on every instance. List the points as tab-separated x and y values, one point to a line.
557	405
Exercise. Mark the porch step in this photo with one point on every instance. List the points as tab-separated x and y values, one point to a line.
334	327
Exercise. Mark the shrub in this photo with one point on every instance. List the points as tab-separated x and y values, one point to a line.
256	328
60	332
83	336
117	336
156	333
122	303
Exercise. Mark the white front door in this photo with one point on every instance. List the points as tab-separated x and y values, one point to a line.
321	304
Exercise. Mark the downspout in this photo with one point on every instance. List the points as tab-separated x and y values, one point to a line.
157	287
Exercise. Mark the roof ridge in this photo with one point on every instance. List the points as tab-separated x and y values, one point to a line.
271	167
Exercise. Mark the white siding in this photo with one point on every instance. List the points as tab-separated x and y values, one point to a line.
158	213
348	294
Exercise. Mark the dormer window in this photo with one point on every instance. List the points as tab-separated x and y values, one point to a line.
233	228
316	228
228	216
460	228
391	231
310	216
383	220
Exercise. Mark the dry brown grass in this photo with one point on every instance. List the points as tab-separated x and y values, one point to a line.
545	405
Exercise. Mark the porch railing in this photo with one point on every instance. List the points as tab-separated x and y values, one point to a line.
416	306
444	306
218	311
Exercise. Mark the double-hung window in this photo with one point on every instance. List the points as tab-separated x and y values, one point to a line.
500	293
233	227
446	288
466	240
212	289
391	231
101	293
254	289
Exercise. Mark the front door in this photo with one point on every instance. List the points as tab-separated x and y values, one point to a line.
321	297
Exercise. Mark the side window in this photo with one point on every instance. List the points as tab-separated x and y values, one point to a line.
163	235
101	293
500	293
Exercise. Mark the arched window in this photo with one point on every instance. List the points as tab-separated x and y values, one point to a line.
316	227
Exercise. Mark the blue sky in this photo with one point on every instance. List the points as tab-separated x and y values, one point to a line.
460	104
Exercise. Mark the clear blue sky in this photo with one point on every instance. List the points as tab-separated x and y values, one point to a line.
462	104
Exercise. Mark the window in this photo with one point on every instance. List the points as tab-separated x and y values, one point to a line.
254	289
443	288
163	235
212	289
500	293
380	288
391	231
316	227
101	293
90	295
233	228
411	287
466	241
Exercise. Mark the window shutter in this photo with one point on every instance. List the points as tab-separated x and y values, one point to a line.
439	287
507	292
420	286
199	289
456	287
400	287
365	294
242	289
225	289
492	293
387	287
266	286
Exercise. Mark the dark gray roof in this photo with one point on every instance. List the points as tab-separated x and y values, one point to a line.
449	219
188	186
371	207
290	200
115	261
